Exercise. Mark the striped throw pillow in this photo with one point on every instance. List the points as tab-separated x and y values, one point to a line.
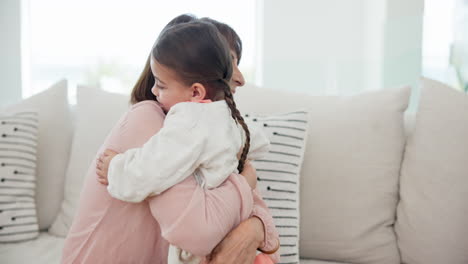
278	175
18	144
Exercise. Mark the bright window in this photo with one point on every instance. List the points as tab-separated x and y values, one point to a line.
106	43
438	37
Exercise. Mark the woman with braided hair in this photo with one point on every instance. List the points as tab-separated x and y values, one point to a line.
203	134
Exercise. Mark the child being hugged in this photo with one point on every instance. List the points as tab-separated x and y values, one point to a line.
203	134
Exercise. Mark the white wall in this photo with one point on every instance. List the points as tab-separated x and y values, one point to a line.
439	39
10	52
374	21
312	46
340	47
403	42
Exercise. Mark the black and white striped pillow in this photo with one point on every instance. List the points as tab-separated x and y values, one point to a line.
278	175
18	144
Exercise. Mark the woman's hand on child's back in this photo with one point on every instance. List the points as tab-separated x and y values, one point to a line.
102	165
250	174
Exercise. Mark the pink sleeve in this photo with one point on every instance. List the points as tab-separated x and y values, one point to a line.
197	219
261	211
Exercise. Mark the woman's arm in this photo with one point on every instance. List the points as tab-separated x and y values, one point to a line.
201	218
259	231
240	245
270	236
197	219
271	242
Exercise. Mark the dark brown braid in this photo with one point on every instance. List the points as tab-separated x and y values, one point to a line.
240	120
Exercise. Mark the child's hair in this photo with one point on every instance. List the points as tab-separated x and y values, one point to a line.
197	53
142	88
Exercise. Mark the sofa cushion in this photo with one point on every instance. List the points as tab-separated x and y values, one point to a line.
18	148
97	112
55	133
278	174
312	261
45	249
349	184
432	214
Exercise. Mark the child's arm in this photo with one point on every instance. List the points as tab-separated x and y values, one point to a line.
166	159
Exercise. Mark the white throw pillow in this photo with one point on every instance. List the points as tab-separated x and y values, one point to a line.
97	112
432	215
278	175
54	142
350	173
18	149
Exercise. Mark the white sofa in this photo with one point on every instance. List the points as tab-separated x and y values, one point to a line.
374	188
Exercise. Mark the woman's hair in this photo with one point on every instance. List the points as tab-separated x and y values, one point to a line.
229	34
142	88
197	53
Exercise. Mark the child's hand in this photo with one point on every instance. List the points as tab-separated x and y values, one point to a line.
250	174
102	165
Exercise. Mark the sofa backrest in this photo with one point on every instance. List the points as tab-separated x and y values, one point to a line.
387	132
349	177
409	123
